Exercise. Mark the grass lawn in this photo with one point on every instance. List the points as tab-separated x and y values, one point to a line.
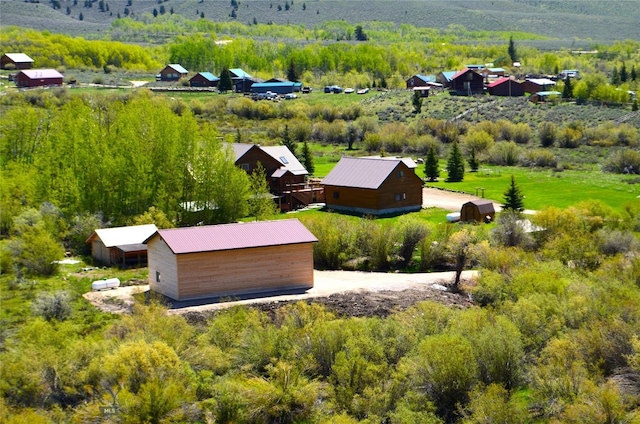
431	215
544	187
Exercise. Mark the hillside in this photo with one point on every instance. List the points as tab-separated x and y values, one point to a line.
570	23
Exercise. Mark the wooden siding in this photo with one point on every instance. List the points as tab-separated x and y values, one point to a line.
380	201
162	261
100	252
23	80
255	155
229	272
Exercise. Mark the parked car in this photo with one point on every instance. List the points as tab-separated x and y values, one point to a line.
306	89
363	90
290	96
349	90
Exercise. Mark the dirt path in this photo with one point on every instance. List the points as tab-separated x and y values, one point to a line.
351	293
448	200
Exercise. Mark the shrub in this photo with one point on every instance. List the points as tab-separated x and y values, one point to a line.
510	232
547	133
52	306
539	157
569	138
412	231
478	140
616	241
505	153
624	161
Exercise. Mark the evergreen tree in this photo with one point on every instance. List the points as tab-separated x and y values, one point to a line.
633	74
155	12
417	101
292	72
225	84
623	73
81	16
474	163
455	165
431	167
567	91
634	106
512	50
288	141
360	34
383	82
307	157
513	198
615	77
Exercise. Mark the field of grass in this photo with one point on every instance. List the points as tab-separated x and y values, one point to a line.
544	187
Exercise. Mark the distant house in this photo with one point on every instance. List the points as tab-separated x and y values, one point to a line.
172	72
287	177
276	87
493	72
571	73
38	78
231	259
419	80
424	91
16	61
242	81
544	96
122	246
534	85
373	186
478	211
204	79
467	82
505	87
445	77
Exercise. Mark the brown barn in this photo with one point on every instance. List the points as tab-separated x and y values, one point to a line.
467	82
505	87
419	80
373	186
287	177
204	79
478	211
172	72
16	61
231	259
122	246
38	78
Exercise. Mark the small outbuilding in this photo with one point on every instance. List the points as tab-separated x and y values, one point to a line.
121	246
478	211
38	78
16	61
231	259
535	85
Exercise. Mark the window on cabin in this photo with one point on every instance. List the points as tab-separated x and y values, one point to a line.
284	160
336	194
157	276
401	196
400	174
244	166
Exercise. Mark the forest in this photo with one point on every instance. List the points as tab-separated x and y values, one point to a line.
552	336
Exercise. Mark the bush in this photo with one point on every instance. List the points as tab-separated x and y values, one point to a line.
616	241
547	133
569	138
539	157
504	153
52	306
624	161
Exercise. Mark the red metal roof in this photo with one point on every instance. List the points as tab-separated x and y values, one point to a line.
462	72
498	82
361	172
235	236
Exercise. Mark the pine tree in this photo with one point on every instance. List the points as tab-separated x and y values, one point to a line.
615	77
634	106
633	74
513	198
474	163
567	91
455	165
431	167
417	101
225	84
292	72
623	73
512	50
360	34
307	157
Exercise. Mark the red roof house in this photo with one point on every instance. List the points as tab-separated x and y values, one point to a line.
231	259
505	87
38	78
467	82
